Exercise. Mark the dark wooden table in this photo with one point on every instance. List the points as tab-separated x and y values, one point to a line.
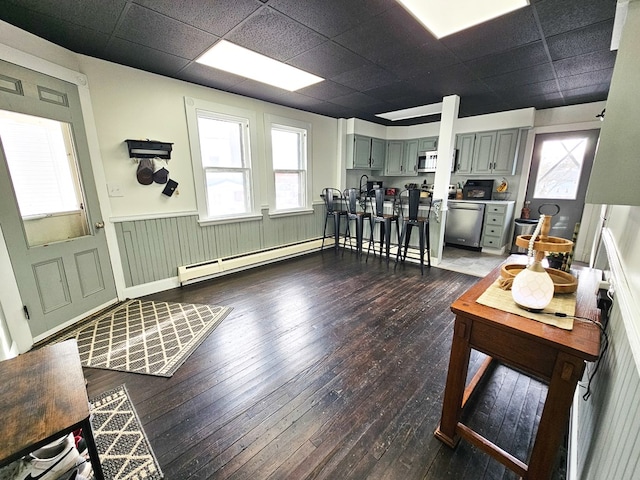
545	352
43	398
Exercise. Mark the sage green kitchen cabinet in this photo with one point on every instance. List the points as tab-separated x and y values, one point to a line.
394	158
498	218
492	152
428	144
464	156
483	150
504	160
378	153
410	157
365	152
402	157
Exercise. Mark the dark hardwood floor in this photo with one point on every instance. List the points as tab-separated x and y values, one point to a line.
326	368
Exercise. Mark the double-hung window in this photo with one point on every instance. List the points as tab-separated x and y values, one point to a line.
222	163
289	160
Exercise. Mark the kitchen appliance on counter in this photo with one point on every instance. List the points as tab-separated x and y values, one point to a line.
463	226
477	190
372	185
451	193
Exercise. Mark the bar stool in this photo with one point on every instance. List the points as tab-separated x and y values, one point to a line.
351	197
413	220
331	197
376	199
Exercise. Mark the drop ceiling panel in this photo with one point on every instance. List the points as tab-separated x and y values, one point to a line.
328	60
373	53
217	17
589	39
509	61
560	16
513	30
331	17
590	62
154	30
138	56
98	15
270	33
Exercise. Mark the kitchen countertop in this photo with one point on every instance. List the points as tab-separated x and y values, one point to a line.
487	202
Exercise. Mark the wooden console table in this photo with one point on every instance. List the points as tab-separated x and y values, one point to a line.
545	352
44	397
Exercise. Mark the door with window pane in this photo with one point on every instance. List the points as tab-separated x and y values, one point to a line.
49	214
558	178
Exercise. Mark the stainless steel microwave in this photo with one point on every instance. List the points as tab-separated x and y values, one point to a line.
427	161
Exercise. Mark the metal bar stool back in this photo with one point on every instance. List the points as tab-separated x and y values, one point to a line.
414	220
351	196
333	207
377	198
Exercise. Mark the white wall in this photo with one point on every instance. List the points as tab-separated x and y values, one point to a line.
132	104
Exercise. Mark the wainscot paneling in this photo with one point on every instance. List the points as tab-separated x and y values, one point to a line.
607	444
153	249
610	420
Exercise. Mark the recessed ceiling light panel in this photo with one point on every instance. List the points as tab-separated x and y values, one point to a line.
238	60
444	17
413	112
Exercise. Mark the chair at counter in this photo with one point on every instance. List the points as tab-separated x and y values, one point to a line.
413	220
333	201
376	198
351	196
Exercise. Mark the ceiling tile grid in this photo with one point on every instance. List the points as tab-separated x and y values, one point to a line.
374	56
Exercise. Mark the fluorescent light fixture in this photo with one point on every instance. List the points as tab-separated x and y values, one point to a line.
246	63
413	112
445	17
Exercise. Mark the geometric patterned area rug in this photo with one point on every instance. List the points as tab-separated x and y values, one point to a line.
148	337
123	447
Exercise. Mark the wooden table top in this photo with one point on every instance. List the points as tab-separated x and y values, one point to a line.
43	393
583	341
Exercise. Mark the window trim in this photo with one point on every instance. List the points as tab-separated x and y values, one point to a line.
285	123
217	110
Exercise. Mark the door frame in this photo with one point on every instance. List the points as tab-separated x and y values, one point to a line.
16	322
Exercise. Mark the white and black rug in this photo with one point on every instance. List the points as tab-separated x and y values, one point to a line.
148	337
123	447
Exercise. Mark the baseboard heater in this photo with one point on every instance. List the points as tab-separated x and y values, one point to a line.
221	266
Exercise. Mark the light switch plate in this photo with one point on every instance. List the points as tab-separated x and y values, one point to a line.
115	190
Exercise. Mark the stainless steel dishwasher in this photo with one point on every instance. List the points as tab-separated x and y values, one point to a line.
464	224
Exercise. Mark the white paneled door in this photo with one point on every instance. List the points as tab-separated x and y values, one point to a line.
49	212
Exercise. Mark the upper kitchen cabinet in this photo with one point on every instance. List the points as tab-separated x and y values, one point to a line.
378	153
491	152
365	152
464	156
428	144
402	157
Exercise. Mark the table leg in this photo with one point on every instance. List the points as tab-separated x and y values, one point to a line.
87	433
456	377
566	373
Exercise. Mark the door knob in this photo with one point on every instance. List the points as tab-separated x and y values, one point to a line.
99	224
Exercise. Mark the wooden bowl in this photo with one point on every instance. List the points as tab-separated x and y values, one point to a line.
549	244
563	282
